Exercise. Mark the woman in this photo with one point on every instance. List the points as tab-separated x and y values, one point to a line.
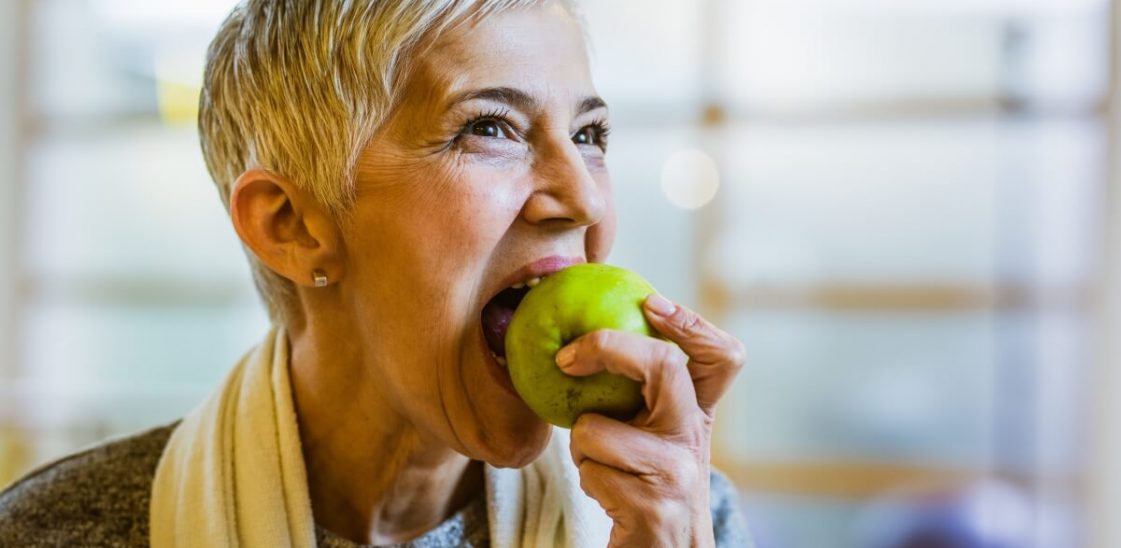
391	166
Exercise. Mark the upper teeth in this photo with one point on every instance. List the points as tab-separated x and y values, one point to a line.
532	282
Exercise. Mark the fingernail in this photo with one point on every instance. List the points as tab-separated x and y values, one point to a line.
660	305
566	356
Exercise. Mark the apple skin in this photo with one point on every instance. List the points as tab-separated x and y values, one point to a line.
564	306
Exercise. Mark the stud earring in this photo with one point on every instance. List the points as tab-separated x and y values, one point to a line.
319	277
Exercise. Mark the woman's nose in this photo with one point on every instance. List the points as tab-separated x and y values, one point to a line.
565	193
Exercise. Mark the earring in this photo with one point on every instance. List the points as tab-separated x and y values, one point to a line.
319	277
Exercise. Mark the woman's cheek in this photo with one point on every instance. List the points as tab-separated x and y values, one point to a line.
600	238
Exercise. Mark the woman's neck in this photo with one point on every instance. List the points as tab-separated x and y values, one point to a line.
373	478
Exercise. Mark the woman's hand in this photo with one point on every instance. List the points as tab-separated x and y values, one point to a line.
651	475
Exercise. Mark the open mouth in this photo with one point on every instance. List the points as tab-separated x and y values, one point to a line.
497	315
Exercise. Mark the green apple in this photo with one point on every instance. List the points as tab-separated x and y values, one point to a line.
564	306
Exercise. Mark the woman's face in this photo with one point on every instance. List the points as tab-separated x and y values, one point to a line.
490	172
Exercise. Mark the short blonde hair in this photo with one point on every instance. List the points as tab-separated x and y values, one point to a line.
298	87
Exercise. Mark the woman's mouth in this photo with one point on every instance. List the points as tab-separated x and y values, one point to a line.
497	314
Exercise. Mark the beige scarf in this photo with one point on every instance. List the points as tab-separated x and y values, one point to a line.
233	474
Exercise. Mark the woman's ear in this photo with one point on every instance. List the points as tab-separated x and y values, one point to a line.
286	228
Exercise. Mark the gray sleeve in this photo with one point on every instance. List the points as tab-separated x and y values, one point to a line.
728	524
98	497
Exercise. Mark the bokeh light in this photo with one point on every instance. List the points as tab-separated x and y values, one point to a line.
690	179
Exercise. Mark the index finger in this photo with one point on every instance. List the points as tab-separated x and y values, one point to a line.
658	365
715	357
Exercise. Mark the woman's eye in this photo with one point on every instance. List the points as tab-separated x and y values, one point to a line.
486	128
586	136
591	135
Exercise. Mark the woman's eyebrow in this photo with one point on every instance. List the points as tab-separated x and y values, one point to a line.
518	99
590	103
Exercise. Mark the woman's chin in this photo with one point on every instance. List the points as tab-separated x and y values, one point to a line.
517	449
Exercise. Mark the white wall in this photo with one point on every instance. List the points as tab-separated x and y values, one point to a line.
1104	482
9	62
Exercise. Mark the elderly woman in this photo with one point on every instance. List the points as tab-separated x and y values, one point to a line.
391	166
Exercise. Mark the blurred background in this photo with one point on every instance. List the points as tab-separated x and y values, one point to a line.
907	210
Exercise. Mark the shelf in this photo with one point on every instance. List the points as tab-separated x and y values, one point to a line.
720	298
856	480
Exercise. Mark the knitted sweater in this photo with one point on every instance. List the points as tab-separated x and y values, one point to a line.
100	497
